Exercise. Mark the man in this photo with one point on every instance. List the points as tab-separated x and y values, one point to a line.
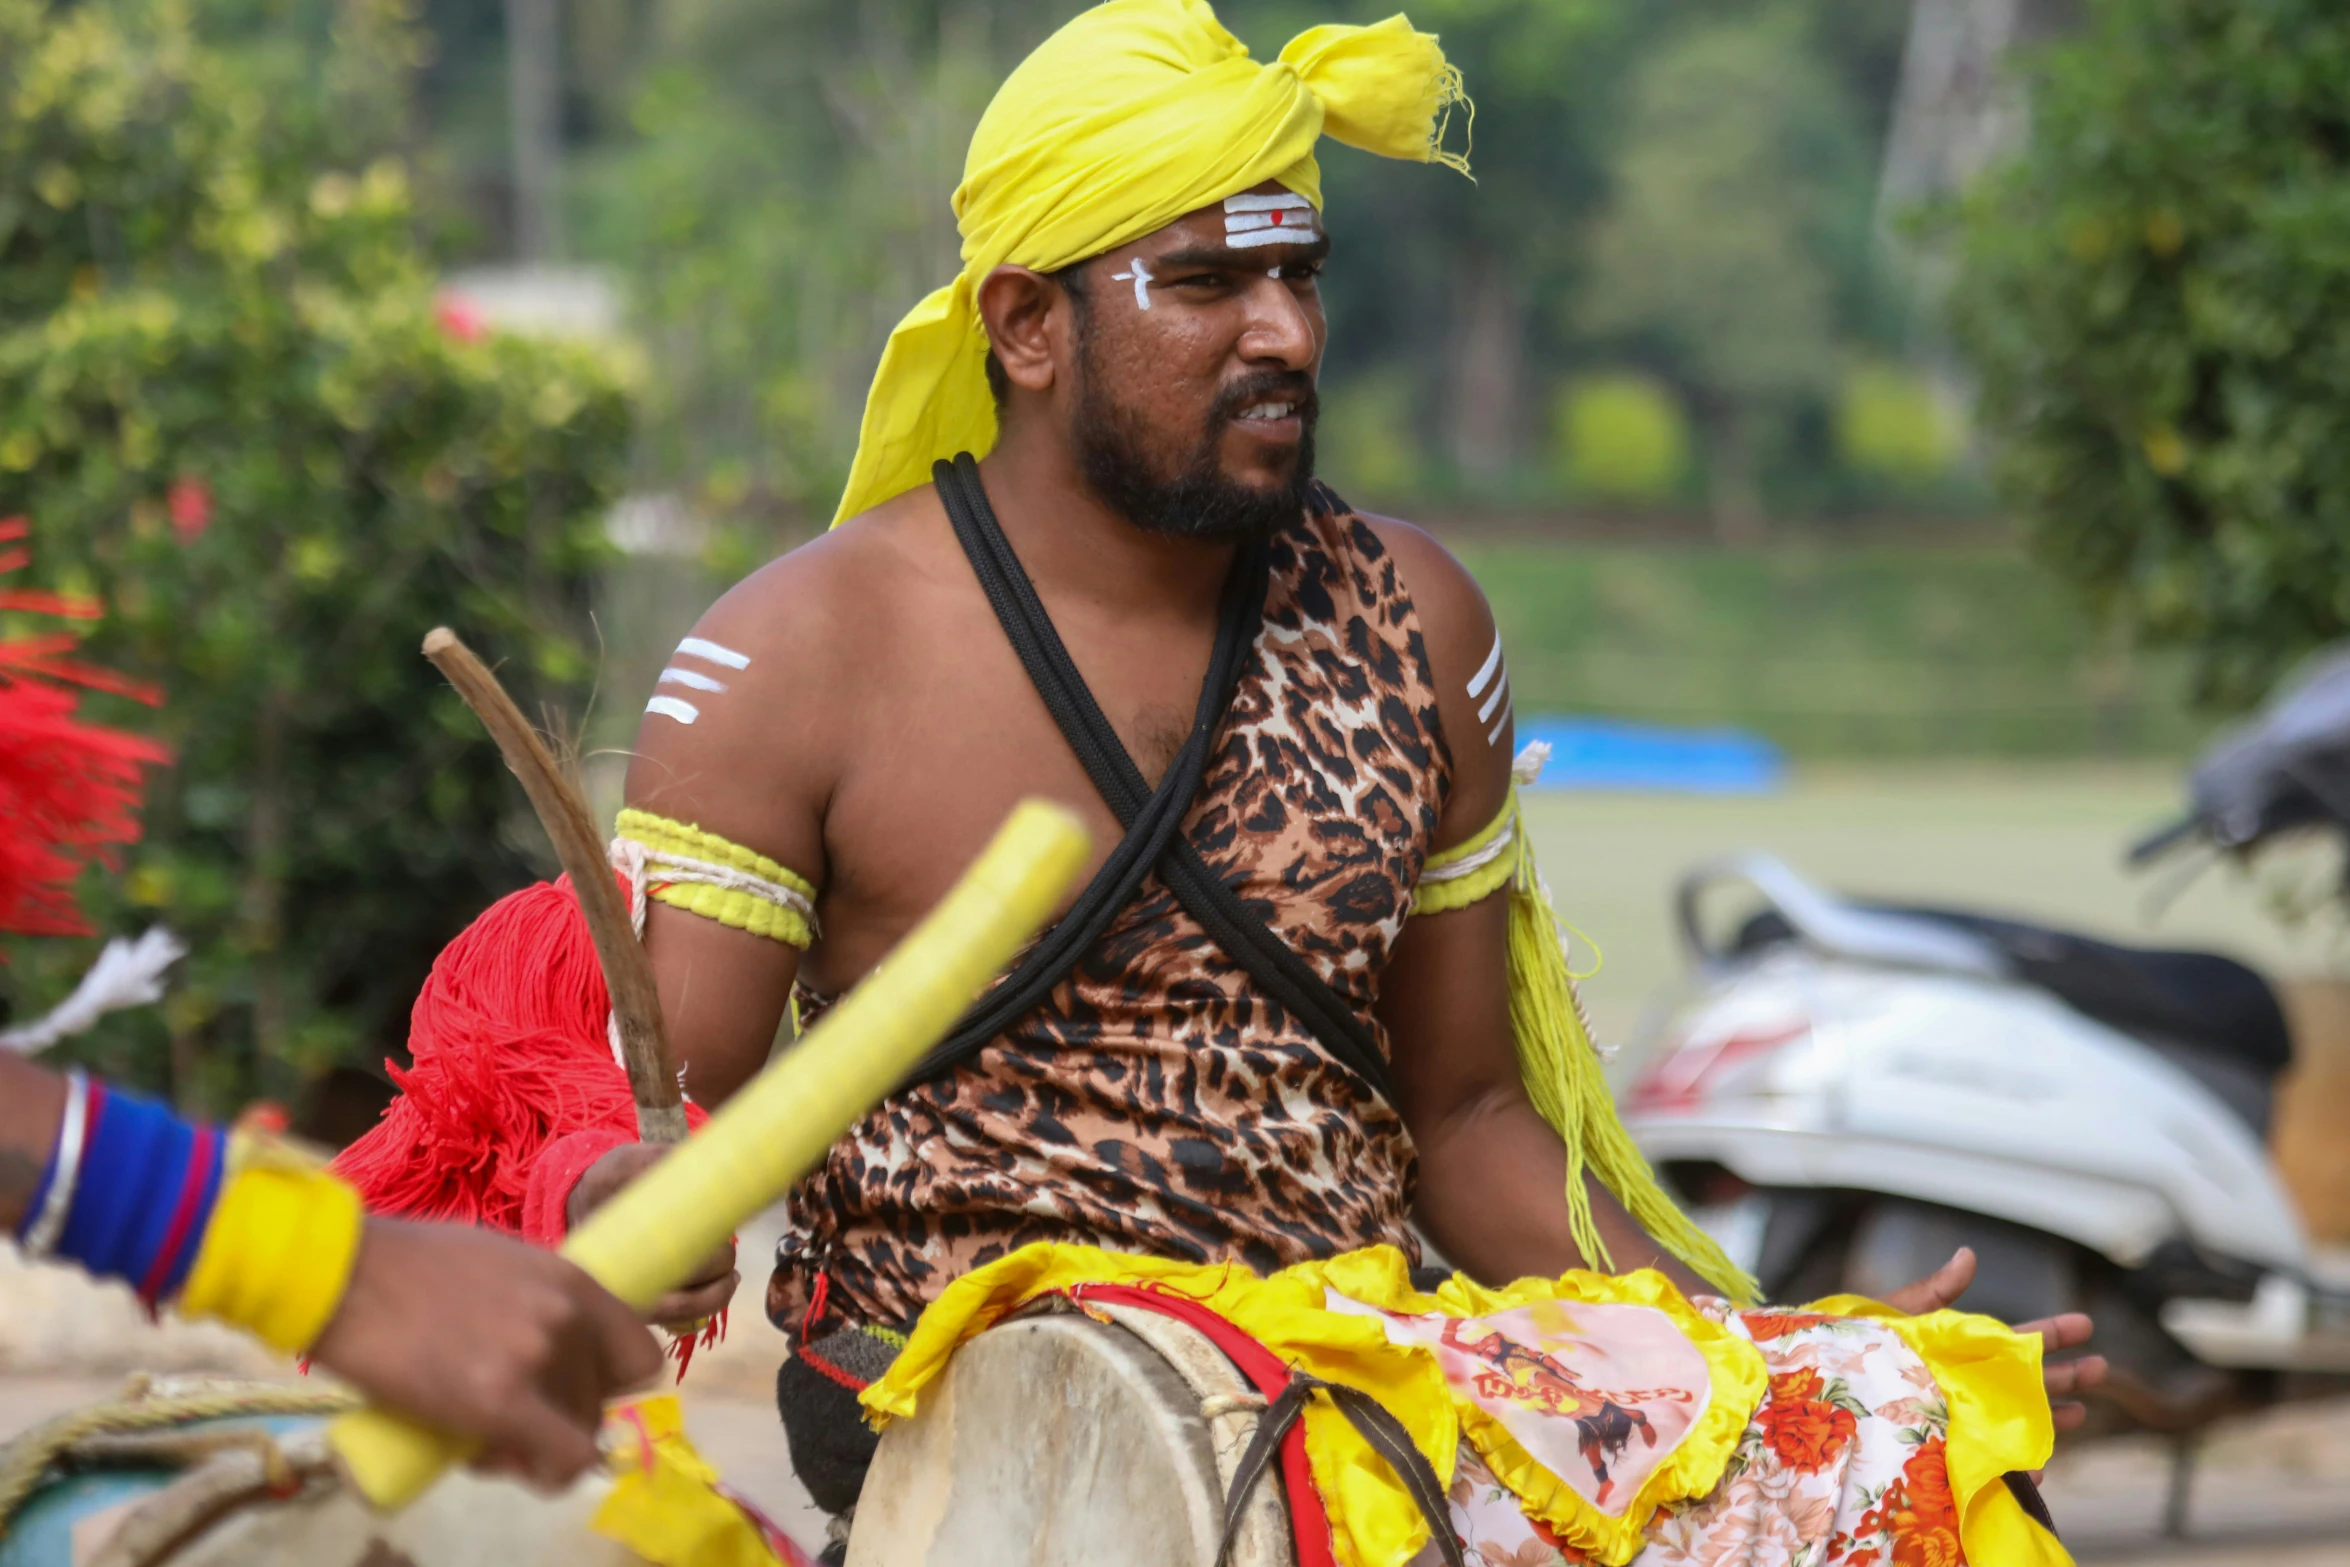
844	728
1138	603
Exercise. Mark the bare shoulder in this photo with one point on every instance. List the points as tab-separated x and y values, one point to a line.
1472	678
744	734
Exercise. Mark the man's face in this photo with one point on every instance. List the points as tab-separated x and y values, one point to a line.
1196	355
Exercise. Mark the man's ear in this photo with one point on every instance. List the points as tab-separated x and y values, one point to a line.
1017	307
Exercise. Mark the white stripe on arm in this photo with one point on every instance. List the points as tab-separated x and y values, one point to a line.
674	676
1492	663
711	652
676	707
1501	689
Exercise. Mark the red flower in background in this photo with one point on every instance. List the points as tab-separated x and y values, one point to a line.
460	320
69	790
190	504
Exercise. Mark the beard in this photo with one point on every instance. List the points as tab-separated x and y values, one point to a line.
1198	500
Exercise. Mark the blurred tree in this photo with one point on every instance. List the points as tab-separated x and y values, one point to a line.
1892	423
231	410
783	203
1739	187
2157	297
1621	437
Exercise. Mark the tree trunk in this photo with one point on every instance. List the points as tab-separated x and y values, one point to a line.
1488	360
1733	473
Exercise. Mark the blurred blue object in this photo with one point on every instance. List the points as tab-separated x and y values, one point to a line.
1608	753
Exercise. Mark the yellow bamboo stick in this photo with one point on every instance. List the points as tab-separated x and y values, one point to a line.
648	1239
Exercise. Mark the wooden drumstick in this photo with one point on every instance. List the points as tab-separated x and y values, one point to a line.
652	1236
563	812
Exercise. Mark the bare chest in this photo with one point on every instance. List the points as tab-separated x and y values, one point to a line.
948	735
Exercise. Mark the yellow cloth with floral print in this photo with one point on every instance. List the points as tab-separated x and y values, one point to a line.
1990	1377
1373	1519
1999	1421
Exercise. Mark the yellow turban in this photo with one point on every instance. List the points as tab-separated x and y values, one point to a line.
1132	115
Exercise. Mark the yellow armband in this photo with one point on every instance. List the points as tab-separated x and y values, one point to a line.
704	874
278	1253
1473	870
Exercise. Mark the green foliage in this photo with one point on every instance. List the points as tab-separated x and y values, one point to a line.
782	203
1735	194
1621	437
1369	433
2157	297
1891	423
229	409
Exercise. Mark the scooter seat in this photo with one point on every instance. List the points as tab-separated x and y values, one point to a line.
2199	1000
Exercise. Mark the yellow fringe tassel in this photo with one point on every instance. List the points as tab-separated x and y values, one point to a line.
1561	1069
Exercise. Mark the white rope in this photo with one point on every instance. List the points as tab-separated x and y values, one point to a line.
127	974
1471	864
645	866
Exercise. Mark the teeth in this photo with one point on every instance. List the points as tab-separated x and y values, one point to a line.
1268	411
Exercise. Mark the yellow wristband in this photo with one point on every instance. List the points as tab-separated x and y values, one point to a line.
279	1251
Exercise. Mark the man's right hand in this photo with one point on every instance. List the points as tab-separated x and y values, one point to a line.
713	1284
486	1337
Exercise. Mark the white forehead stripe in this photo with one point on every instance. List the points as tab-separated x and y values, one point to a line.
675	707
695	647
1283	219
1492	663
1276	202
674	676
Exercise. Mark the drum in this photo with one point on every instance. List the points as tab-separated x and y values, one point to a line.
239	1475
1063	1438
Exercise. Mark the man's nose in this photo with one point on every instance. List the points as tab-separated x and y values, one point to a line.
1280	332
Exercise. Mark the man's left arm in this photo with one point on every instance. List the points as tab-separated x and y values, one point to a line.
1492	1171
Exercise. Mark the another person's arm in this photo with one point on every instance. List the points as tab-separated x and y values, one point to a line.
466	1330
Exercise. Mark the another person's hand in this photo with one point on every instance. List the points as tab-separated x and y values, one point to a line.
713	1284
2069	1331
486	1337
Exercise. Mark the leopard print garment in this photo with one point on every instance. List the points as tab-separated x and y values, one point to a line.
1154	1103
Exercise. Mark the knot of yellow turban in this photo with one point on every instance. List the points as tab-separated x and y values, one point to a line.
1132	115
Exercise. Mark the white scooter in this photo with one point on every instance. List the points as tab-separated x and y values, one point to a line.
1849	1091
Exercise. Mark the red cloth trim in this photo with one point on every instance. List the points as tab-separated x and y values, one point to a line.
1307	1518
546	1195
183	1217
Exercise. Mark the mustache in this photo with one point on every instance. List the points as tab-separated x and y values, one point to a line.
1266	386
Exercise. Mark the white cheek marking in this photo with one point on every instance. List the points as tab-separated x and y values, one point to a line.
674	707
695	647
1492	663
686	677
1140	277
